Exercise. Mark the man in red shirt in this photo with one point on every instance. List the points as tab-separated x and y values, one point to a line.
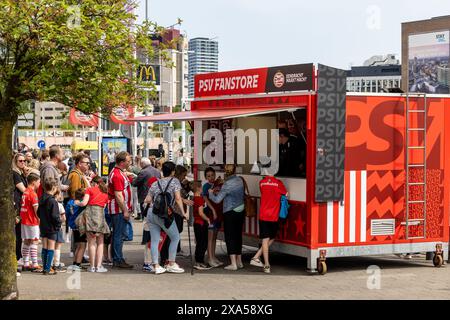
271	191
30	223
119	206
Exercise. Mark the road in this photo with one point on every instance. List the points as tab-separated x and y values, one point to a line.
347	278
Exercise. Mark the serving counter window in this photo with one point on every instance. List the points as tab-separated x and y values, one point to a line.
254	139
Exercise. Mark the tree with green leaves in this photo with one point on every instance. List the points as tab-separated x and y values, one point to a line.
79	53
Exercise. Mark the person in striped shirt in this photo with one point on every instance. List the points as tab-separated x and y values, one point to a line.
119	206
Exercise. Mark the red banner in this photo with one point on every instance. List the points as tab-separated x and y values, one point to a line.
297	77
77	117
120	114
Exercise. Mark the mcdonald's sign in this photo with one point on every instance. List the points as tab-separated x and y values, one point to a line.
149	73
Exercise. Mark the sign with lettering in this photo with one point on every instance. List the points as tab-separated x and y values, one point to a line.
149	72
296	77
330	135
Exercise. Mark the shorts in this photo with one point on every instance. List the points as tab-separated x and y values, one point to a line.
77	237
145	237
268	229
30	232
60	237
50	235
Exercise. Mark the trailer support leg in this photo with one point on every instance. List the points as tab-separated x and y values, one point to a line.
313	255
316	262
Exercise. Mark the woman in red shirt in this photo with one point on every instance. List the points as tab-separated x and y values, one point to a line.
96	199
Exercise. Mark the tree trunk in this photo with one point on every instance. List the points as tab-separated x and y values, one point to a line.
8	262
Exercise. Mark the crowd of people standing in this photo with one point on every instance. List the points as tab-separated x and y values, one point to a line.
56	192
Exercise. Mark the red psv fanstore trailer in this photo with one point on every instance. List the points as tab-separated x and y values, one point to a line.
377	178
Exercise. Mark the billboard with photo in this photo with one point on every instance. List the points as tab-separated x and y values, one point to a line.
428	62
110	148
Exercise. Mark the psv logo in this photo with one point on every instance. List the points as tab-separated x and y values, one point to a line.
278	79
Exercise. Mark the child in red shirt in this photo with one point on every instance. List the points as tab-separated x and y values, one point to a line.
96	199
201	225
30	224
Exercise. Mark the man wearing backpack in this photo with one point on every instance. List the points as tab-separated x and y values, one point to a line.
271	191
162	197
119	206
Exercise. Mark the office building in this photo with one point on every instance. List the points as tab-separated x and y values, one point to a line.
379	73
171	79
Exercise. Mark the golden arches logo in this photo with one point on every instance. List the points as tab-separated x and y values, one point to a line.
150	74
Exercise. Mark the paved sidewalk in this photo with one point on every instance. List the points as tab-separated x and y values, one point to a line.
347	278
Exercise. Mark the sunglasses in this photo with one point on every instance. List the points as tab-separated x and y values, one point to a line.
86	162
21	160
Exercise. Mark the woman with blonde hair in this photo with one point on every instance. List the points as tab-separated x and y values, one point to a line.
34	164
232	195
20	172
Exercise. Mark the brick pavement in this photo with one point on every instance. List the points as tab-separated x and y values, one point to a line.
346	279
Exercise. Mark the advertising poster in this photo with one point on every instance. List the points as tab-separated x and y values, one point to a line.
110	148
428	62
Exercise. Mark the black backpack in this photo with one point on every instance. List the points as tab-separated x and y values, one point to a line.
162	202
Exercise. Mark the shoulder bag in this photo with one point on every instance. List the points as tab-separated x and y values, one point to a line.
249	201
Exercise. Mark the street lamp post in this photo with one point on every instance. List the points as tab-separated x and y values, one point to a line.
146	96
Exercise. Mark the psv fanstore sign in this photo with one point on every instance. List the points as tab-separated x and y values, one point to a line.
275	79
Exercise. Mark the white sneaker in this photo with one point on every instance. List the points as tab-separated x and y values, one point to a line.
174	268
74	268
213	264
231	267
159	270
256	263
18	274
218	262
20	262
91	269
101	269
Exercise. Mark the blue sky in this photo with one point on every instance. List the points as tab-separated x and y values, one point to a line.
259	33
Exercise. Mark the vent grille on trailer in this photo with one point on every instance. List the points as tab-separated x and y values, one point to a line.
382	227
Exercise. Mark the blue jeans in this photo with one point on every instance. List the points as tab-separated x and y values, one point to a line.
156	224
118	224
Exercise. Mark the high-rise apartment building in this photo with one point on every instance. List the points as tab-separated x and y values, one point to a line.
203	58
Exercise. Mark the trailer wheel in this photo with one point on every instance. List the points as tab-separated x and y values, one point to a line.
438	261
322	267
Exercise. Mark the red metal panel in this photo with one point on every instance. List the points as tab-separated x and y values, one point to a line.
258	102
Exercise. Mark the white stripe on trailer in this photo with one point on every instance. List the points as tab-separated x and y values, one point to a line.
363	205
341	224
352	206
330	224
